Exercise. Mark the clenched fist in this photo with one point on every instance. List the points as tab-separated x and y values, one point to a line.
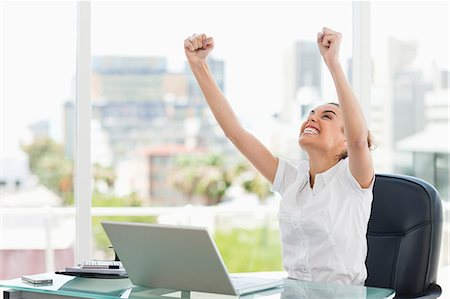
197	47
329	42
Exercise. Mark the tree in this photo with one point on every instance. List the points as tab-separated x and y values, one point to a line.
104	174
185	175
252	181
210	177
255	183
203	176
49	163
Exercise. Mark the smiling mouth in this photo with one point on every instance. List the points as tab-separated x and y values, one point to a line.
311	131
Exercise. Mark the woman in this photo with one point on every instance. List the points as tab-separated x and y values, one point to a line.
326	200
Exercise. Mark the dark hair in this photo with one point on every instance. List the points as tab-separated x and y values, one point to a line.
370	141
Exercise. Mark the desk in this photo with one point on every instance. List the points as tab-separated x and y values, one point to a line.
122	288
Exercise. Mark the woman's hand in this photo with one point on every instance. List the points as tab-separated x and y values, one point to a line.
197	47
329	42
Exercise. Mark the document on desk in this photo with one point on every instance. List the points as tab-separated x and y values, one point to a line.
58	282
99	267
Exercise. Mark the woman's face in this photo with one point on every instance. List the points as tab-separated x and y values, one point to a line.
323	130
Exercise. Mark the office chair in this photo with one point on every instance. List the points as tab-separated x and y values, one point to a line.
404	236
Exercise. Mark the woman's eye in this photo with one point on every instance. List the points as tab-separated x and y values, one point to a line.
327	116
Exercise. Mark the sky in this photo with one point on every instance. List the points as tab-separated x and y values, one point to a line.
38	46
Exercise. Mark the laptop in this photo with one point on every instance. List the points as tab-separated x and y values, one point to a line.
174	257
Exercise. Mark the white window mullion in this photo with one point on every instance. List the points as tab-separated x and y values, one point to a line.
362	64
83	192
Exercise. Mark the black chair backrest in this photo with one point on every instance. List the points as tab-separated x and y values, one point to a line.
404	234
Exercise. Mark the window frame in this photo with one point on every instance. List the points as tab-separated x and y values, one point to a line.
83	175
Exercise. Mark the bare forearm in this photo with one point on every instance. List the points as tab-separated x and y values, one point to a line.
217	102
197	48
355	127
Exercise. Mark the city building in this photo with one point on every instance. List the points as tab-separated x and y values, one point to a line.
427	151
393	101
138	103
303	76
159	164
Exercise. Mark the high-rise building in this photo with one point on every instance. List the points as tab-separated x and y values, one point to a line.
437	101
131	98
408	92
397	103
134	79
139	104
217	68
197	115
407	89
420	131
302	91
303	74
428	149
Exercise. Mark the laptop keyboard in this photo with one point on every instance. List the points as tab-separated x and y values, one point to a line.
240	282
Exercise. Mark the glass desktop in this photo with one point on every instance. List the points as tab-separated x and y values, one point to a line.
95	288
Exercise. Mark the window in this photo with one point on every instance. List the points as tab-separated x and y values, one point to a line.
153	134
410	93
38	55
153	138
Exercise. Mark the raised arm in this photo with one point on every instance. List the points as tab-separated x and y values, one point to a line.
197	48
355	128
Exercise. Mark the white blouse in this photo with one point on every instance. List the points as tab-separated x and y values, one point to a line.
323	229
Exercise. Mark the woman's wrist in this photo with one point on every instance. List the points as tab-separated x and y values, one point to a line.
198	64
199	68
333	65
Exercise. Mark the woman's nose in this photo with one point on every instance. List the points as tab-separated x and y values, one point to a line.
312	117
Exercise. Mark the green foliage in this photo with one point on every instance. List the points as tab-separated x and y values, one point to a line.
105	174
250	250
240	168
252	181
210	176
106	200
204	176
49	163
258	185
101	241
